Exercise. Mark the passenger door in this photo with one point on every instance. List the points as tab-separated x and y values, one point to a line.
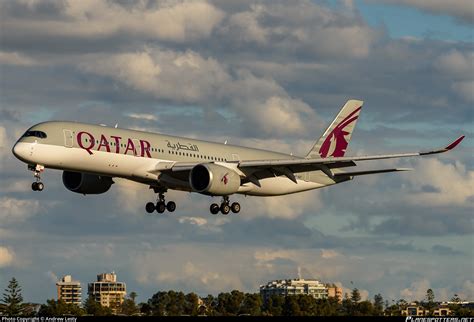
68	141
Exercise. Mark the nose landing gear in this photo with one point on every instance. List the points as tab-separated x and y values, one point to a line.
37	169
225	207
161	206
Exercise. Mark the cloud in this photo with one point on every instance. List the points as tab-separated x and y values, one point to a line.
189	78
283	116
329	253
465	89
193	221
458	66
456	63
269	255
304	28
3	138
7	256
445	250
244	26
197	270
416	291
145	117
17	210
183	77
462	10
286	207
52	276
453	184
176	21
467	291
15	58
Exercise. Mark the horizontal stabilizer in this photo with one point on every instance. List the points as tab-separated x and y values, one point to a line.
361	173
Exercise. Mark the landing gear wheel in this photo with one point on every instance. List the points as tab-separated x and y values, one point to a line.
150	207
171	206
39	186
235	207
34	186
160	207
214	209
225	208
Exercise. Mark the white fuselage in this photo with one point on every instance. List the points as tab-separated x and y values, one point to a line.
139	156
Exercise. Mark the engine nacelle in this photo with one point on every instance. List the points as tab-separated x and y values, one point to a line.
86	183
214	179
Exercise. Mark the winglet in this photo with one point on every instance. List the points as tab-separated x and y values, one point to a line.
455	143
448	148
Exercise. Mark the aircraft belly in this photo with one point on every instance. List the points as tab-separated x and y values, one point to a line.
277	186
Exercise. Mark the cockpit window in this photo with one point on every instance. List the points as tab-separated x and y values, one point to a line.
38	134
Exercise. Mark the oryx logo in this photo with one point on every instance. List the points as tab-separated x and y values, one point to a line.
225	179
336	144
408	319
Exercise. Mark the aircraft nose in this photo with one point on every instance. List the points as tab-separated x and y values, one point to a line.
20	150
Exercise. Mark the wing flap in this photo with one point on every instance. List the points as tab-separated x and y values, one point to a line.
362	173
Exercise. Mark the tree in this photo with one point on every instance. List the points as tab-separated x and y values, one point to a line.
430	296
128	307
378	304
221	303
364	308
347	305
172	303
207	308
430	305
235	302
456	298
355	296
12	299
395	308
145	308
274	305
133	296
59	308
191	304
291	307
326	307
252	304
96	309
307	304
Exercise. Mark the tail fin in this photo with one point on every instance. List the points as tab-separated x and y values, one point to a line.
334	141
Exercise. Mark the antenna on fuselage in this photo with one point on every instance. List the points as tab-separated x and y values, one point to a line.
116	124
225	142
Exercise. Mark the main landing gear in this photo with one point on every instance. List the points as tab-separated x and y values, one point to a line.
160	205
37	169
225	207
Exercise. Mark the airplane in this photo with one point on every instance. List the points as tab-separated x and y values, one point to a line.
92	155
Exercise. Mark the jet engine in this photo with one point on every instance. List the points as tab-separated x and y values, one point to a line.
213	179
86	183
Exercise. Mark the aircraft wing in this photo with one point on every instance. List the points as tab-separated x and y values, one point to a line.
329	161
287	167
257	169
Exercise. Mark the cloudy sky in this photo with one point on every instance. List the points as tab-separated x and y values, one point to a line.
268	74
